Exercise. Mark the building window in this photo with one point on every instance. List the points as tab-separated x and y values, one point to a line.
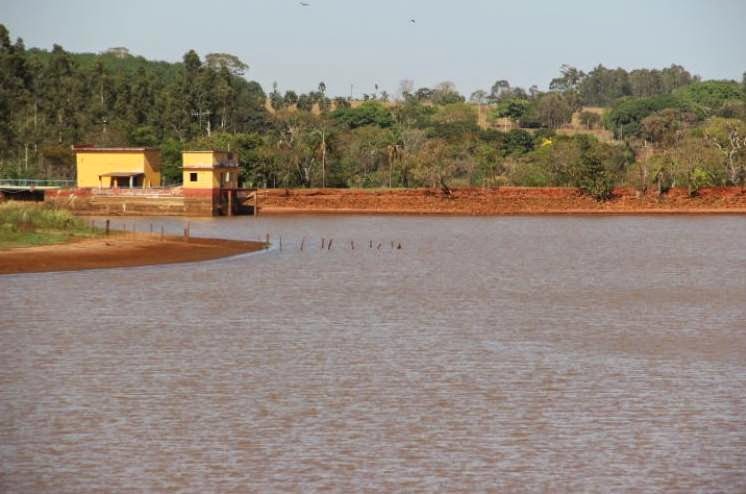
228	178
192	177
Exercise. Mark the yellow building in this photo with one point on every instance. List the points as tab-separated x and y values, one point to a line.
210	182
210	170
117	167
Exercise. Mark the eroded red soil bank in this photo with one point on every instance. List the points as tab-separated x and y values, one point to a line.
498	201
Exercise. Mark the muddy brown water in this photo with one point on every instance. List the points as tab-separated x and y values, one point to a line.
487	355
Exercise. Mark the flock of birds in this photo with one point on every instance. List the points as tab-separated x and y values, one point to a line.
306	4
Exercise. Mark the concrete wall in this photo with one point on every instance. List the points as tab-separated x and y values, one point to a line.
84	201
206	179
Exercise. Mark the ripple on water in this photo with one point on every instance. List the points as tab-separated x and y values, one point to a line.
504	354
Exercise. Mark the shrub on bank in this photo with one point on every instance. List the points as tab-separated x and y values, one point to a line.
32	224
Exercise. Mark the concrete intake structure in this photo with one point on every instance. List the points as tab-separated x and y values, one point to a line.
210	182
122	181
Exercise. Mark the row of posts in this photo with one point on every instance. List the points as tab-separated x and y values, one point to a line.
326	243
108	227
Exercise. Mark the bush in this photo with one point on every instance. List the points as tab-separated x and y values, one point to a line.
590	119
710	95
24	224
596	170
513	108
517	141
697	179
33	217
530	174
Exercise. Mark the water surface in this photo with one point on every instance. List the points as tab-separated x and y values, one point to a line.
488	354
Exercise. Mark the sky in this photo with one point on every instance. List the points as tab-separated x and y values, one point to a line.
352	45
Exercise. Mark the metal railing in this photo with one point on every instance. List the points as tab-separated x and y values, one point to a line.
135	191
28	183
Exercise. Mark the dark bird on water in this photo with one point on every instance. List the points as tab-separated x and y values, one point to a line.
412	21
304	4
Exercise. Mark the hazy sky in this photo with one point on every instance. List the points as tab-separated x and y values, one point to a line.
344	42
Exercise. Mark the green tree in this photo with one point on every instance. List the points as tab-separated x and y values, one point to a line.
455	121
513	108
710	96
225	61
276	99
554	110
369	113
291	97
625	118
603	86
478	97
516	142
589	119
445	93
728	137
499	90
663	128
646	83
592	175
570	78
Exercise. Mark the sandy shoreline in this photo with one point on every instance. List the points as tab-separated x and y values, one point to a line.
119	251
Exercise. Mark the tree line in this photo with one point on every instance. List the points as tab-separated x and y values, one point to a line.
669	127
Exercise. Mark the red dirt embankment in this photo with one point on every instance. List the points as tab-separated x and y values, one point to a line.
118	251
497	201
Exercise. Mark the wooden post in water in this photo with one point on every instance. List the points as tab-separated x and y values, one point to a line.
323	243
280	243
371	244
352	244
302	242
162	233
329	247
266	244
108	222
151	228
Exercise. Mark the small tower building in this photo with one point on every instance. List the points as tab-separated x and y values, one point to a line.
210	182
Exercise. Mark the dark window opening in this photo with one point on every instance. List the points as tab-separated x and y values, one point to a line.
192	177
